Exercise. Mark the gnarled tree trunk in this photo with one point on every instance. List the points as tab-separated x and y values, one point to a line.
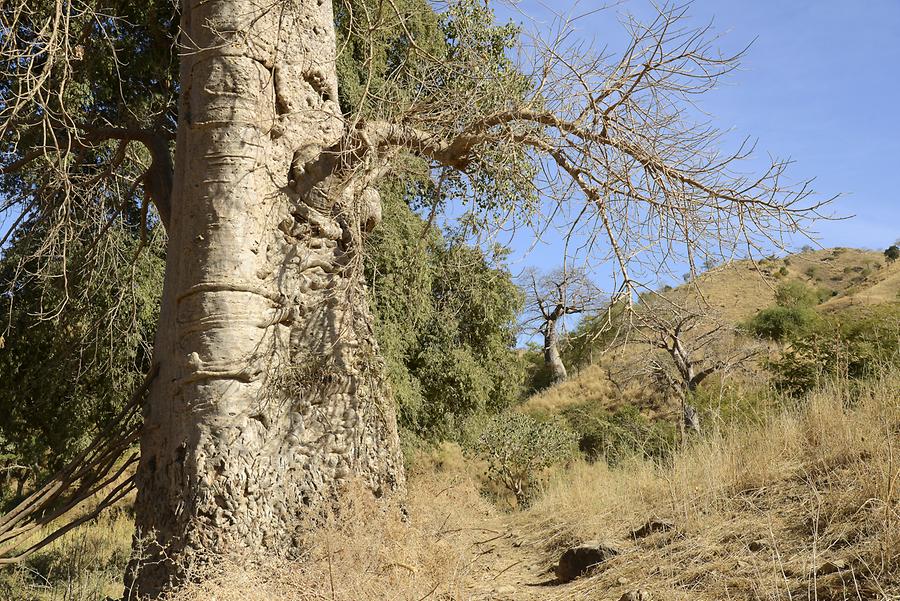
270	391
552	358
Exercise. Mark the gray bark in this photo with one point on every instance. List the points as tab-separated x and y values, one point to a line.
552	358
270	392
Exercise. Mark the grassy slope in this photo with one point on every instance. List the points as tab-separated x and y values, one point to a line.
737	292
759	513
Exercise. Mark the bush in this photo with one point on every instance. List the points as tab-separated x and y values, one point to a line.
619	435
518	448
855	345
446	323
892	253
780	323
797	295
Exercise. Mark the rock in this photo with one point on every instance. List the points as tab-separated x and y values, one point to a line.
638	595
622	580
831	567
505	590
578	560
758	545
652	526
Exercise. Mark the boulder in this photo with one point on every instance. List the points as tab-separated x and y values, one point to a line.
578	560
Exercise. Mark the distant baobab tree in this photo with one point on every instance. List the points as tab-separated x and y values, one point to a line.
550	299
695	343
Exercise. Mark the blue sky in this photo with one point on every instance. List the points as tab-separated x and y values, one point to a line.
820	85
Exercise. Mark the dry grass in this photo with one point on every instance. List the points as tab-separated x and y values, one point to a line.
740	290
85	565
369	550
590	385
815	483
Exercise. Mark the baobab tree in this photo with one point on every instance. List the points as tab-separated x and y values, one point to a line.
267	391
695	344
551	298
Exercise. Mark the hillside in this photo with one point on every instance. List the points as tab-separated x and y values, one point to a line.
736	292
741	289
792	499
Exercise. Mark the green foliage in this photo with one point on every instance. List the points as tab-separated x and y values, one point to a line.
796	294
892	253
460	64
518	448
378	67
446	322
619	435
792	314
77	315
76	342
779	323
855	344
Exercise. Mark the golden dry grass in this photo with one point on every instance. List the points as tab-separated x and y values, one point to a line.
590	385
816	482
740	290
85	565
816	485
735	292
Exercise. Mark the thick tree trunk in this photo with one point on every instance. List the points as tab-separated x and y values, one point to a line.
552	358
270	391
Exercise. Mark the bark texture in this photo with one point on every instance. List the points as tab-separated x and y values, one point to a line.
270	391
552	358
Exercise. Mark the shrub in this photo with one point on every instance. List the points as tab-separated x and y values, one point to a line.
779	323
446	323
854	344
619	435
783	271
892	253
797	294
518	449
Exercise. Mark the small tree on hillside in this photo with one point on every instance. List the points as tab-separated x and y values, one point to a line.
696	344
552	297
892	253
